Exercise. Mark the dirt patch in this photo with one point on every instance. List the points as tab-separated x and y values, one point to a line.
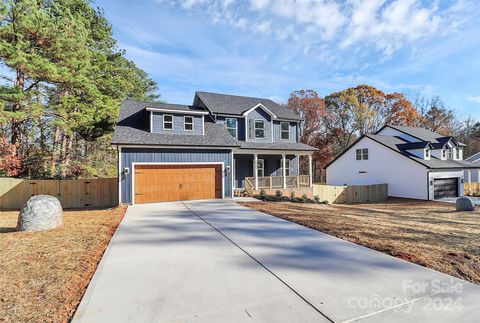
430	234
44	274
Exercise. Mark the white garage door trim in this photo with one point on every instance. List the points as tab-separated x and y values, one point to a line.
173	164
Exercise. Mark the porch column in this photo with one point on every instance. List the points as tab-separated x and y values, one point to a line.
255	170
310	169
284	171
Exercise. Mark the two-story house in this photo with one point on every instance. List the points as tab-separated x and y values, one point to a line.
210	149
414	162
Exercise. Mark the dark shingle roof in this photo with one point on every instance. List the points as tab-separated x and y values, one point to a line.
415	145
169	106
133	128
395	143
236	105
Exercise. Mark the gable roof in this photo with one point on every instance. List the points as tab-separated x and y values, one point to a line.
133	129
219	103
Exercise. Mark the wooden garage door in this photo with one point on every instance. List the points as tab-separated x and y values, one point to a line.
445	187
162	183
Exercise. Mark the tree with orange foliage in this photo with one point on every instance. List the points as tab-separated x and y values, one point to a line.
312	108
400	111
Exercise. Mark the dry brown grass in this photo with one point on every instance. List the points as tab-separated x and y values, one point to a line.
44	274
427	233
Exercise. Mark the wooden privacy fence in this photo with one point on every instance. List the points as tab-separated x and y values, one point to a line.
471	188
351	194
74	193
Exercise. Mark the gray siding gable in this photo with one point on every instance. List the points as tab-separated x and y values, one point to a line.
259	114
178	124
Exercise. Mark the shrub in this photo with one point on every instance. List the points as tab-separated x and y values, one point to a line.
305	197
316	198
324	202
292	194
263	194
278	193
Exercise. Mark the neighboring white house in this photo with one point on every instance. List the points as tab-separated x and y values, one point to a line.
414	162
476	160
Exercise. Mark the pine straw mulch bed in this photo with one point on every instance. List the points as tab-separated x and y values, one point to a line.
43	275
430	234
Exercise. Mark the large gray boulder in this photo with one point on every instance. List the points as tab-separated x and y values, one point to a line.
41	212
465	204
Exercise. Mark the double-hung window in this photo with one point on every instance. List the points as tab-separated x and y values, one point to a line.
444	153
167	122
188	123
284	130
231	124
259	127
362	154
457	153
427	153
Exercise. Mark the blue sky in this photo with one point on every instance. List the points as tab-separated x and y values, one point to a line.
268	48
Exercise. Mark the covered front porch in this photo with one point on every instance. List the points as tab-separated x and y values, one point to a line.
253	171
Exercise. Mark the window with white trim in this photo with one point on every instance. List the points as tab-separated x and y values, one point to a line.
457	153
231	124
444	153
260	168
284	130
167	122
362	154
259	128
188	123
427	153
288	166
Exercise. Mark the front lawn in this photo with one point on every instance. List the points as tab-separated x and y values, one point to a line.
44	274
430	234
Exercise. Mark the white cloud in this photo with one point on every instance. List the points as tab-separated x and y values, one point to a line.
262	27
475	99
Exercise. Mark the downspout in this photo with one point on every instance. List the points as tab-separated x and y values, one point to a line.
428	184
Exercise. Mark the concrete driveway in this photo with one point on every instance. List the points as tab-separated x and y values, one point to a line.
215	261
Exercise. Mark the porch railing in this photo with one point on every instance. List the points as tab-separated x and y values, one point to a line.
272	182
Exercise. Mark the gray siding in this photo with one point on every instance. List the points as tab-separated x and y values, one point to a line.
178	124
292	128
240	124
131	155
259	113
244	166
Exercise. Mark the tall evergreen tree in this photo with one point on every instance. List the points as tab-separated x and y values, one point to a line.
62	70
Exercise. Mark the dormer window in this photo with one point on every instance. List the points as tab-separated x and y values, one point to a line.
457	153
427	153
167	122
444	153
259	129
188	123
231	124
450	153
